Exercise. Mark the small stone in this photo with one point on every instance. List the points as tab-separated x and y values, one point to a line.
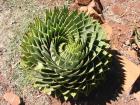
134	46
83	2
12	98
127	42
14	22
1	51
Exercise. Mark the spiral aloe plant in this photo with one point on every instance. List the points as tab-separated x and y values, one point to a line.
66	53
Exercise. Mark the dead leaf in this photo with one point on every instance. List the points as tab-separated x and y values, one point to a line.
91	11
91	4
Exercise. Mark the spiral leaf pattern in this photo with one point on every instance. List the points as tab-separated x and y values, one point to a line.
66	53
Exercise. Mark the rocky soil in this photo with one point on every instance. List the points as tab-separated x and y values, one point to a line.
122	15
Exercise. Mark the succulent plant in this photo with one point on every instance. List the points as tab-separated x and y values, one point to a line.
137	36
65	54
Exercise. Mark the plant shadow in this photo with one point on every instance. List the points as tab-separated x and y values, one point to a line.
109	89
22	102
136	86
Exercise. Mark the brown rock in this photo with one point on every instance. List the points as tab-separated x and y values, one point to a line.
90	11
12	98
118	9
83	2
132	72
